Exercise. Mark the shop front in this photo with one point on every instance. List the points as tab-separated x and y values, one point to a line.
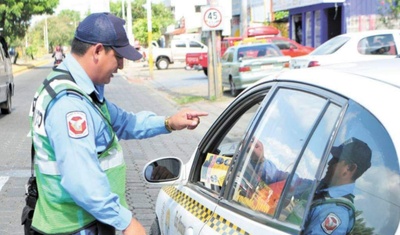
312	22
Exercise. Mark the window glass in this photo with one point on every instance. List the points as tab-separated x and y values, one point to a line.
180	44
330	46
303	181
377	45
274	149
376	200
194	44
218	159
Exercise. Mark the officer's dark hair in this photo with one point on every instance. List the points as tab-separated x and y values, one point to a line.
80	48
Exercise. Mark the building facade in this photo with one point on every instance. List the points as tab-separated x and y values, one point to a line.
312	22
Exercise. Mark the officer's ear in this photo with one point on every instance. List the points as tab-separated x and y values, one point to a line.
352	167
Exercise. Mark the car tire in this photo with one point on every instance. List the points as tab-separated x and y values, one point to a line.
6	107
162	63
232	88
205	70
155	228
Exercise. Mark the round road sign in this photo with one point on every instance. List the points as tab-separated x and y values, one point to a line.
212	17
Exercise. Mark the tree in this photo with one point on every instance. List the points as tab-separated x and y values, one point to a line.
390	13
161	18
15	15
60	28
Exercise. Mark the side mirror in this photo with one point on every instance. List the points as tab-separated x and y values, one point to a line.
162	170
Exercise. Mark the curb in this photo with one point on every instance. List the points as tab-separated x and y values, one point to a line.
17	68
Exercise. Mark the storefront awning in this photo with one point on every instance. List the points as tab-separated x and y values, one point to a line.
284	5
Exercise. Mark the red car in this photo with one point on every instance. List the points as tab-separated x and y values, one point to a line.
286	45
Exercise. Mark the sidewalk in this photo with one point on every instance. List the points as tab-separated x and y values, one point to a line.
23	64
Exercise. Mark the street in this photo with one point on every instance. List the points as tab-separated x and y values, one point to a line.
131	90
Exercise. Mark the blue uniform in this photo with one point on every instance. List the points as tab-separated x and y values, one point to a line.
77	158
331	218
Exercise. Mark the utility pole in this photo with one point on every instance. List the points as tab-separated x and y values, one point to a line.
123	9
243	19
150	38
46	35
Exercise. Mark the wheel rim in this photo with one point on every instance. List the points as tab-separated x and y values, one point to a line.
163	64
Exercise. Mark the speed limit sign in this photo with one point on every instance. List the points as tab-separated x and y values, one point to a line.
212	18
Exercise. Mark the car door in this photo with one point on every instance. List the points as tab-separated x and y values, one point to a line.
226	65
179	50
4	73
296	128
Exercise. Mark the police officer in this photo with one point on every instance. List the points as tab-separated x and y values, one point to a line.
79	162
332	210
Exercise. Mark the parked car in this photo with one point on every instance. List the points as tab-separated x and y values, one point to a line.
367	45
6	78
177	51
302	123
199	61
245	64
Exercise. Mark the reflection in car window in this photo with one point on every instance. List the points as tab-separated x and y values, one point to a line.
274	149
330	46
215	165
376	199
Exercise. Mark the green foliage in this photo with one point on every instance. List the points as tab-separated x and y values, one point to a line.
60	31
161	18
279	15
31	51
15	16
390	12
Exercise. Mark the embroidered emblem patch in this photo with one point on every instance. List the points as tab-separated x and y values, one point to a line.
330	223
77	124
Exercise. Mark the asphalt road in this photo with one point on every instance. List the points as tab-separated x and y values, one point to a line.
133	90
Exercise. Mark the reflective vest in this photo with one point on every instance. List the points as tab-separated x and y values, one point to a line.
55	211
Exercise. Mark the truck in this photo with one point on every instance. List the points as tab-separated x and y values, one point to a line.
177	51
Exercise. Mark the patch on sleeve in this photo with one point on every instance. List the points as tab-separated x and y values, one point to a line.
331	222
77	124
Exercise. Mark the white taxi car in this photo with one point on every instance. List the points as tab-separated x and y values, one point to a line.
350	47
327	130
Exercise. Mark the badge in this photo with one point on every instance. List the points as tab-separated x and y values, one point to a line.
330	223
77	124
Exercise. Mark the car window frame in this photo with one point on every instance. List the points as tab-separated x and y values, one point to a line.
225	200
215	135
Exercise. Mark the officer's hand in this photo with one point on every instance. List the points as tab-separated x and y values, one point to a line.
186	118
161	172
134	228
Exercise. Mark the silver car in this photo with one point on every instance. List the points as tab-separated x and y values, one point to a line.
6	78
243	65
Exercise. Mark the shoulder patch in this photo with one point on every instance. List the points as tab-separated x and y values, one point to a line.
77	124
330	223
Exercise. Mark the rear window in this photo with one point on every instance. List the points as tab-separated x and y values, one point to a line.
330	46
252	52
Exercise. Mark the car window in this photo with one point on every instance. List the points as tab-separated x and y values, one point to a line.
255	51
218	160
215	159
377	45
194	44
284	45
275	147
180	44
330	46
376	199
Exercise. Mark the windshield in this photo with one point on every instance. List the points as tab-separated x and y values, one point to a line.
330	46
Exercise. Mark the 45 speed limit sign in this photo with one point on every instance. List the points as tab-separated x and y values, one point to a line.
212	18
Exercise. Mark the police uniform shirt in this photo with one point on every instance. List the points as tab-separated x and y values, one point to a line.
76	152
